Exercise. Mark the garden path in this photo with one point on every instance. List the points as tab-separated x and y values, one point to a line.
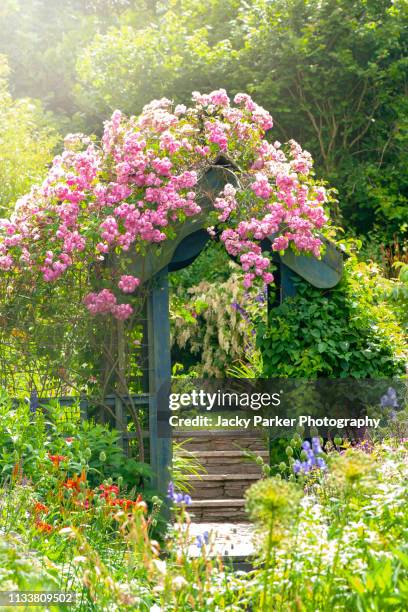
218	495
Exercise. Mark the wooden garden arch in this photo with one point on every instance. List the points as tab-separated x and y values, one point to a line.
176	254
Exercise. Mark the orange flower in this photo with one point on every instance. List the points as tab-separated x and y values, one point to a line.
39	507
56	459
45	527
17	471
75	482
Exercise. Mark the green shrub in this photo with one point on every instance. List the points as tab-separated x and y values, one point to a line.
212	325
349	331
27	142
28	439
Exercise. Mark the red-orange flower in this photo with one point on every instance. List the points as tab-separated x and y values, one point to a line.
45	527
56	459
75	482
39	507
107	491
126	503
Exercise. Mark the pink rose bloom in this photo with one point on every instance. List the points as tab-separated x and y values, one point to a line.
122	311
128	284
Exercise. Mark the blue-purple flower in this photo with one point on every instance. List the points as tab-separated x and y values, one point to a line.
34	403
313	461
177	497
202	539
389	400
244	313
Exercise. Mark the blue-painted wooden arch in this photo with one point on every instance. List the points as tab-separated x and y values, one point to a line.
176	254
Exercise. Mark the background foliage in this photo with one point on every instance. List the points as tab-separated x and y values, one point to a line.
27	141
350	331
332	73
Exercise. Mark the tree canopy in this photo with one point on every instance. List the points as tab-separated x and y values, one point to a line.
332	73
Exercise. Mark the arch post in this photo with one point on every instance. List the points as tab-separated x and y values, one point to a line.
159	360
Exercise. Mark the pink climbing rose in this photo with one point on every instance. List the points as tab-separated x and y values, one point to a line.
128	284
142	182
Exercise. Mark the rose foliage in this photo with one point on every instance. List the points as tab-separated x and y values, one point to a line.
143	180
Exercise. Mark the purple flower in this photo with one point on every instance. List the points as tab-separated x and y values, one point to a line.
241	311
261	297
320	462
316	446
310	454
170	491
34	403
297	466
202	539
389	400
178	498
313	461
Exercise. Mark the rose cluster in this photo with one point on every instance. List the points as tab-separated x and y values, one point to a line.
142	181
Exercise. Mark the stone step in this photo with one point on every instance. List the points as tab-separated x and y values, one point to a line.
221	486
219	510
235	461
222	453
219	440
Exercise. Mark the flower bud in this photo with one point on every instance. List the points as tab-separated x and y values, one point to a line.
87	453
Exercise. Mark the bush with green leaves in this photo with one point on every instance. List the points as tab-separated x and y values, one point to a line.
28	439
349	331
27	142
333	72
398	293
212	325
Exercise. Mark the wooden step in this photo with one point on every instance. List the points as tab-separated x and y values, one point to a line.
219	510
218	495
